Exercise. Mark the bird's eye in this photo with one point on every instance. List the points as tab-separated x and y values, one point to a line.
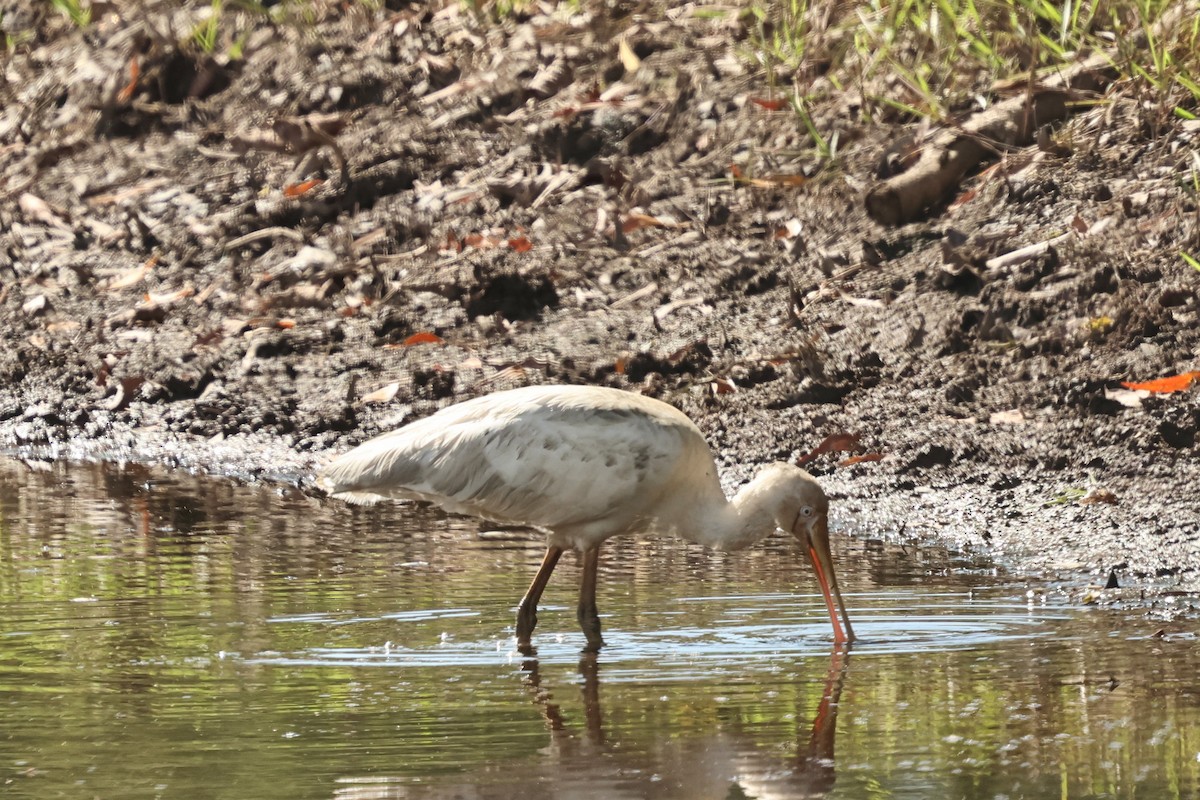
806	511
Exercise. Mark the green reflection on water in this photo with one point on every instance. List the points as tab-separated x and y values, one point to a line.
167	636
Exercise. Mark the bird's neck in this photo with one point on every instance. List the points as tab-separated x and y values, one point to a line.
734	524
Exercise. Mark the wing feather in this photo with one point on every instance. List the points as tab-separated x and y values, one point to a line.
551	459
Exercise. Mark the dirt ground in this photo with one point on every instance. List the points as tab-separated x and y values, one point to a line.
528	201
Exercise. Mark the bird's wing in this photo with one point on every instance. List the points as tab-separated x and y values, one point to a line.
541	465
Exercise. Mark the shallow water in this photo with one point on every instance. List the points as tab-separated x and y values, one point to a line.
163	635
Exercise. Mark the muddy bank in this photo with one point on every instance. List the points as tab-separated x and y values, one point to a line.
455	206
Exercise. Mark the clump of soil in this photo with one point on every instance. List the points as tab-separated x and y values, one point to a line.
247	262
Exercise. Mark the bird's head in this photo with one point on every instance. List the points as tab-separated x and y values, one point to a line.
803	508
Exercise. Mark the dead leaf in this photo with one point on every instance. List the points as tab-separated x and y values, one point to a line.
168	298
520	244
852	460
1013	417
769	105
297	189
471	362
126	93
424	337
722	386
1175	383
767	181
835	442
633	221
382	395
1098	495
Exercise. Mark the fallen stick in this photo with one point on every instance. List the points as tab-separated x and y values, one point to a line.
1013	122
1023	254
955	151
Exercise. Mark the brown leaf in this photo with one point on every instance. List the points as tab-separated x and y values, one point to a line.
769	105
424	337
126	93
480	241
168	298
520	244
634	221
722	386
1099	495
852	460
834	442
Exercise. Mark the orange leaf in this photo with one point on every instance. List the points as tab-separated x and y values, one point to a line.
297	189
769	105
833	443
860	459
1175	383
127	91
520	244
285	324
424	337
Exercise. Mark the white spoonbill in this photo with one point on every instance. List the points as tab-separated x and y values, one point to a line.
584	464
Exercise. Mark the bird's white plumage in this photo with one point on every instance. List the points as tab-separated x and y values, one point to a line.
582	462
585	464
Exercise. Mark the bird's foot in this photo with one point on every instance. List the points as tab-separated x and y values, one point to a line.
589	621
526	622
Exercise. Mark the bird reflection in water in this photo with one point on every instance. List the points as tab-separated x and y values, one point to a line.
729	763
